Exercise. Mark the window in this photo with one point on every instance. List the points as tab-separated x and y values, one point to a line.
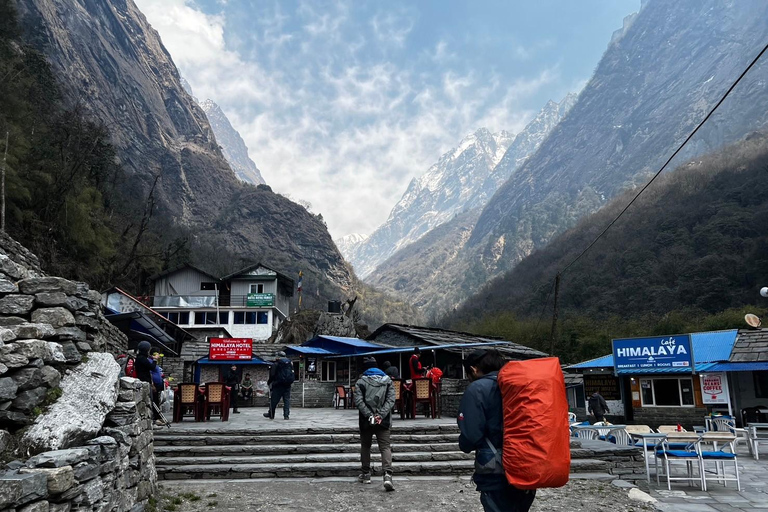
184	318
667	392
262	317
207	286
224	317
209	317
245	317
328	371
257	288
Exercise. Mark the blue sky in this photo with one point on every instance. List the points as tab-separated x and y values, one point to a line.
341	103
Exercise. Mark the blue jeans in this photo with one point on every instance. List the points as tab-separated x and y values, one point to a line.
508	499
279	392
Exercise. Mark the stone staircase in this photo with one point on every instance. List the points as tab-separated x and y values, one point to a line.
424	450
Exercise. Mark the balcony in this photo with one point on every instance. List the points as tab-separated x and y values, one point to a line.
252	300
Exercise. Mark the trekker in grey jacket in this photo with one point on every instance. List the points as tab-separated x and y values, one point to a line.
375	398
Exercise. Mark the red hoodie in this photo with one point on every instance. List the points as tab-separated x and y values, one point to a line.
414	364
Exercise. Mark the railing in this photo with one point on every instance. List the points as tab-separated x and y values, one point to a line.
257	300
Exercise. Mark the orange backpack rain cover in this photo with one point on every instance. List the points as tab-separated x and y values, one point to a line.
537	449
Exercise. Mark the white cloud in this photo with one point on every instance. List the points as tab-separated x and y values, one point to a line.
324	124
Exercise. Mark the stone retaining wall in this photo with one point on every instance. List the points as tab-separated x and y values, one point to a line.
626	462
62	399
655	416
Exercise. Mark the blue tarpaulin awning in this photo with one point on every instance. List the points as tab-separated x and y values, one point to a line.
402	350
315	351
342	345
254	360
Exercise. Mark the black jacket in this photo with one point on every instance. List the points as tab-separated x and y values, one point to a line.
231	379
144	367
480	417
597	405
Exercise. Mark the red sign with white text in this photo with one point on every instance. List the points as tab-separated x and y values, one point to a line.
230	349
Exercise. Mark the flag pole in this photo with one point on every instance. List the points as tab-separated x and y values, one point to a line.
298	288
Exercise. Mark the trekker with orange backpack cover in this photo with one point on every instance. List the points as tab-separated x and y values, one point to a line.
481	422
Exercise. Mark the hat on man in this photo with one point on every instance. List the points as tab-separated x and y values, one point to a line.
280	354
369	362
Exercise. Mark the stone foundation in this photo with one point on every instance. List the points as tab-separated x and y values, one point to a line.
655	416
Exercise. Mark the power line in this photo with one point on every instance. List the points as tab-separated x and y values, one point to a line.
751	64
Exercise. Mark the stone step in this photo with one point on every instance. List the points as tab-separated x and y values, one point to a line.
215	440
588	468
311	457
266	449
305	469
179	429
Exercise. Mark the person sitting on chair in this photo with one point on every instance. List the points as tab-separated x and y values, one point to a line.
246	388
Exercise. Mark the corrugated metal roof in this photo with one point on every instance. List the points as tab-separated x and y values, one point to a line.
354	342
401	350
245	362
308	350
598	362
755	366
709	347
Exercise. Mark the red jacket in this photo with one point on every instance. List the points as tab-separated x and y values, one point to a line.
414	364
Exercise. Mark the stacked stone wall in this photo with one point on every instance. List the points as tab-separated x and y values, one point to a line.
62	400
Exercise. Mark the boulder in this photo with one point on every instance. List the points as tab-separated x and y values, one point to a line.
27	331
35	285
57	317
60	479
87	321
14	419
89	393
70	352
16	304
28	400
32	349
83	346
8	388
3	369
62	507
7	321
74	304
51	299
85	471
5	440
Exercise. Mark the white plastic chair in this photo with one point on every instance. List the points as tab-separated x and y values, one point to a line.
587	433
571	417
720	457
620	437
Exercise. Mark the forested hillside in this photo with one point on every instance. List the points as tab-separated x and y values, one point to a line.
690	254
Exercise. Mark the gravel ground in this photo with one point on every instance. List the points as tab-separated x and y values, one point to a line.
348	496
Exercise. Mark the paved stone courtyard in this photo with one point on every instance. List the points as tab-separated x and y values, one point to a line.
590	492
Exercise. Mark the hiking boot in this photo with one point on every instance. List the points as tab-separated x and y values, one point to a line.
267	415
364	478
388	485
235	412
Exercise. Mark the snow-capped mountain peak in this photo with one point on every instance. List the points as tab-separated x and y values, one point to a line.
347	243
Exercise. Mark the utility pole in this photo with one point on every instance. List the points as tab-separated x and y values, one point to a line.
2	185
553	336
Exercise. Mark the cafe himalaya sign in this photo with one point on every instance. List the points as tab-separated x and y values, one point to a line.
230	349
662	354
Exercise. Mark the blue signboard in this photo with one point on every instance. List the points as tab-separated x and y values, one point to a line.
661	354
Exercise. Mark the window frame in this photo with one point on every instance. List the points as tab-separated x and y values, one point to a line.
325	371
679	381
259	288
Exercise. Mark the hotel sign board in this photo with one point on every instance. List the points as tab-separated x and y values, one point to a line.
230	349
256	300
660	354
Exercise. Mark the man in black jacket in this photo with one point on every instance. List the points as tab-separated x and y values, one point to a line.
232	380
481	423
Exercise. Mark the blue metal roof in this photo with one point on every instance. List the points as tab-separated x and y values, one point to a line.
307	350
599	362
341	345
708	348
752	366
355	342
253	360
426	348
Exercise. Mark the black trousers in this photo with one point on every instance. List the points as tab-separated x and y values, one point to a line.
508	499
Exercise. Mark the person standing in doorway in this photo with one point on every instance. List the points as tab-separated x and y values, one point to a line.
281	378
375	398
481	426
144	366
598	407
232	380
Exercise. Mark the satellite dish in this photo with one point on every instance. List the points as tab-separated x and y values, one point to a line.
752	320
764	291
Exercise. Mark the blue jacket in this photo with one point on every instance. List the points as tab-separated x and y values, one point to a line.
481	417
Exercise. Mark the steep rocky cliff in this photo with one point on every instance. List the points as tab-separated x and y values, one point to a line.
110	61
659	76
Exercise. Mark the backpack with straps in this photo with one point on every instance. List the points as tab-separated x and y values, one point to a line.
536	451
285	373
